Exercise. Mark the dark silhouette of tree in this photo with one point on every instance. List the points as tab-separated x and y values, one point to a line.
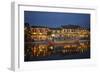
27	41
26	25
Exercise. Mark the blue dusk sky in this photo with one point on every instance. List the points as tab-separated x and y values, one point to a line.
56	19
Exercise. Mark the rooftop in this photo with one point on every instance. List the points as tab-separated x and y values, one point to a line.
70	26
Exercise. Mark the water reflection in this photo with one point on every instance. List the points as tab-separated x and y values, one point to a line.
47	49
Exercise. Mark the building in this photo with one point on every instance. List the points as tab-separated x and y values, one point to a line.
67	38
39	33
